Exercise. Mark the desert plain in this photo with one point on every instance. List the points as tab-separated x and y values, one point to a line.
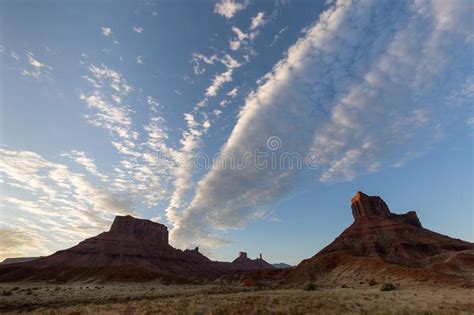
155	298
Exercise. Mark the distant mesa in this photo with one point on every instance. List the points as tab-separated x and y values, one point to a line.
244	263
382	244
17	260
281	266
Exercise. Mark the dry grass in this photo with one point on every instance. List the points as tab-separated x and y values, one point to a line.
153	298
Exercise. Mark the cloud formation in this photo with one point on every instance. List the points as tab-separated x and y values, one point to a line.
36	69
143	171
50	199
363	87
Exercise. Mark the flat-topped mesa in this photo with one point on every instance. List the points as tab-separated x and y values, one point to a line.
128	225
367	206
243	254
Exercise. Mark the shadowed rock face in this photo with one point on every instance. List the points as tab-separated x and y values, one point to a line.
379	241
128	225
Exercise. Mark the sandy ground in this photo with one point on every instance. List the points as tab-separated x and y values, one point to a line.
153	298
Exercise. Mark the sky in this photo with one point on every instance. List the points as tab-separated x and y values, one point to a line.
242	125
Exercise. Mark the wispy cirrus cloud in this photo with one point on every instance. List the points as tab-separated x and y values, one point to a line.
106	101
278	36
81	158
142	173
191	139
36	68
48	198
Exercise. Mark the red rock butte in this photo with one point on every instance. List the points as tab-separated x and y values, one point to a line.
383	244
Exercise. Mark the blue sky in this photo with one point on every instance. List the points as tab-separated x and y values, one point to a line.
105	107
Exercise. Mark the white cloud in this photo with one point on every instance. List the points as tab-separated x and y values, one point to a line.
198	58
218	81
224	103
359	100
217	112
244	40
228	8
140	60
221	78
257	21
234	44
138	29
233	93
226	60
230	62
238	32
154	105
36	69
208	60
191	138
190	141
35	63
143	172
106	31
